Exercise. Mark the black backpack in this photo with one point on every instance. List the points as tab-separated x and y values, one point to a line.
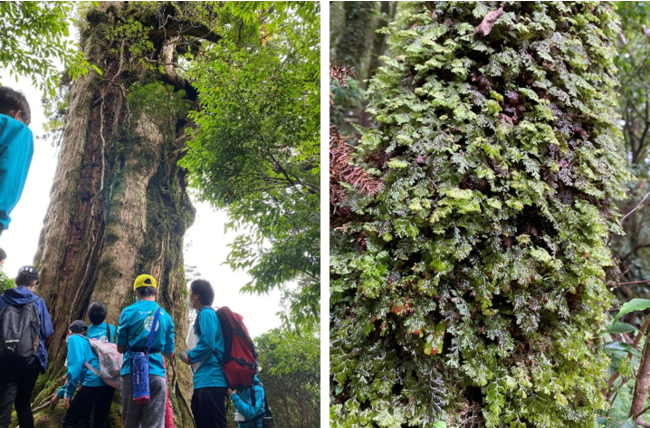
19	327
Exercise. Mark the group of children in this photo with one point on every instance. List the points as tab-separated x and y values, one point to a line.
86	396
144	329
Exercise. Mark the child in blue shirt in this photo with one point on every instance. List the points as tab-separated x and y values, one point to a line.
16	150
98	329
133	331
94	396
253	414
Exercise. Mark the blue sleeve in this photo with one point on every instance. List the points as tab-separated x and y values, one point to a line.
61	392
208	325
169	338
75	363
47	329
16	150
122	332
249	412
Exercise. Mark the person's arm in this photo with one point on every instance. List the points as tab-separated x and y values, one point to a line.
122	334
75	363
206	344
168	351
249	412
47	329
61	392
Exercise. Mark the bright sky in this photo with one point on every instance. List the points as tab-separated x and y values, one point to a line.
209	242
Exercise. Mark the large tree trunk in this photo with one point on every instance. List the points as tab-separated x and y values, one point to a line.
118	207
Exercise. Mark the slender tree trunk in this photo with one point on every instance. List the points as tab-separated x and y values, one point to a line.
377	50
379	39
642	383
353	44
118	208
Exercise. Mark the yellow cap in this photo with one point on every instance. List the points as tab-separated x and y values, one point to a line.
145	280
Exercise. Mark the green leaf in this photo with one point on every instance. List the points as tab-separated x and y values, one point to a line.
620	327
633	305
398	163
622	347
630	424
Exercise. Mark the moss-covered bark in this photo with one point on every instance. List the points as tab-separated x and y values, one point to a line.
119	204
471	290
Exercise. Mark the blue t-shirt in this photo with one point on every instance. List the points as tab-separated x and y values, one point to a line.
99	332
79	350
16	151
132	319
210	373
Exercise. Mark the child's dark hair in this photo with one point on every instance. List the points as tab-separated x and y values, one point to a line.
11	101
145	291
97	312
3	255
204	290
79	327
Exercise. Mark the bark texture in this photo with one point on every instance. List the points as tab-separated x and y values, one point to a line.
119	205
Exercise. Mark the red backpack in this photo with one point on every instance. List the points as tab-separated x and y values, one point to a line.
240	357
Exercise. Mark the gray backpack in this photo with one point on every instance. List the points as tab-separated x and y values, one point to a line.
19	327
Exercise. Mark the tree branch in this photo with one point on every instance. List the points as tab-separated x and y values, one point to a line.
637	207
199	31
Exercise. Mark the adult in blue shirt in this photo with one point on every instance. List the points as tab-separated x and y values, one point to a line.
94	397
98	329
16	150
17	383
132	336
252	415
210	384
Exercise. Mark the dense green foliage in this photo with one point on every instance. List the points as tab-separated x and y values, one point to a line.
256	151
472	289
291	376
5	282
33	40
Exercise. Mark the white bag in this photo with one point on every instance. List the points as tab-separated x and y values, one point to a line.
191	341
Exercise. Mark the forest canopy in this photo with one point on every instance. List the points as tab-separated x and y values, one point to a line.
256	149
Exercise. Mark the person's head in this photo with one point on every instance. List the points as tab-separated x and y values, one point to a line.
201	293
97	312
3	256
14	104
78	327
145	287
27	276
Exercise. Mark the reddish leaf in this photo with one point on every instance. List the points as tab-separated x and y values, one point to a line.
486	25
